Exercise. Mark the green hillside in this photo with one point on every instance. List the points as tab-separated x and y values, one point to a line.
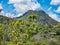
33	28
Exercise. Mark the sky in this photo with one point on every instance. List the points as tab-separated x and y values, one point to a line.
15	8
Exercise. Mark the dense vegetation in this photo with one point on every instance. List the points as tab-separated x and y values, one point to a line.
29	32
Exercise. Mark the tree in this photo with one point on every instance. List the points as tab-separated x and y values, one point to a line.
32	17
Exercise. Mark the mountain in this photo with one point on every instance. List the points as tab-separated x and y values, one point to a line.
42	17
29	29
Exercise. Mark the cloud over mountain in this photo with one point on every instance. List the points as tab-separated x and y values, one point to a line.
22	6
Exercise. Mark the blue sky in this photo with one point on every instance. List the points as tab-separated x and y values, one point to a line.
13	8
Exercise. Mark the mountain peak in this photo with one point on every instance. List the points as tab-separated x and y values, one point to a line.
42	17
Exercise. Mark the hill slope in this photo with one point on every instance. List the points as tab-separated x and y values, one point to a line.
27	30
5	20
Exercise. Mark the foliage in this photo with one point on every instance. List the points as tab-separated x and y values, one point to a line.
28	32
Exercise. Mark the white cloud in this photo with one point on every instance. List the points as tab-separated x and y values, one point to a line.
22	6
19	14
0	6
9	15
2	12
58	10
14	1
54	16
12	15
55	2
